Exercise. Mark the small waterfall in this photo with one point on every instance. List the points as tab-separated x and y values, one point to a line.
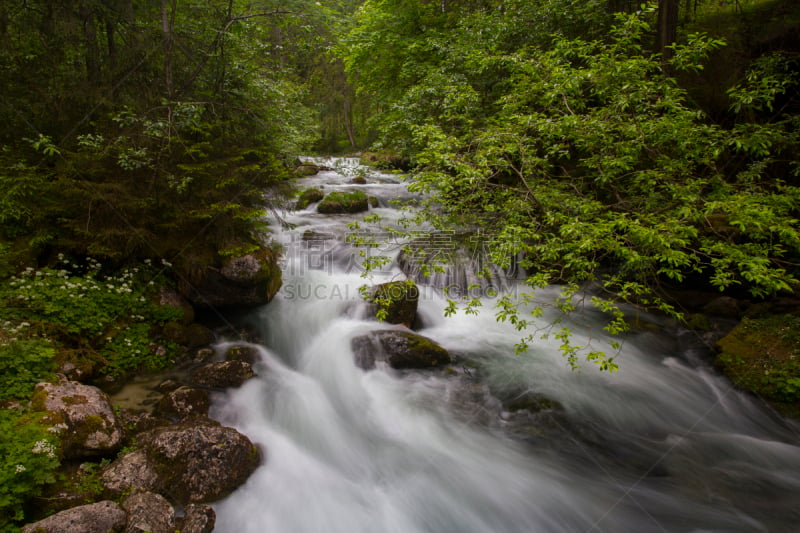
665	444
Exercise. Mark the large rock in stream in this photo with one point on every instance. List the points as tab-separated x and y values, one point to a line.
195	461
395	302
84	416
245	281
399	348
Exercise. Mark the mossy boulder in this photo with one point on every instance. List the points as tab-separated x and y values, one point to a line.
83	418
200	460
399	348
339	202
245	281
306	169
308	197
762	355
394	302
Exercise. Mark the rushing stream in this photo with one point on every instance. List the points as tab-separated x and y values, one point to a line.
665	444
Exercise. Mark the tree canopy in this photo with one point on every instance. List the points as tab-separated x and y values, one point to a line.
567	137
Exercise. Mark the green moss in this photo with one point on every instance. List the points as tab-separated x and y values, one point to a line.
344	202
308	197
762	355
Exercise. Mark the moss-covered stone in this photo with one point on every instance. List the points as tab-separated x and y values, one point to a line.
395	302
343	202
762	355
400	349
308	197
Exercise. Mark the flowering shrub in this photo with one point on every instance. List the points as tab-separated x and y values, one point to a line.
76	306
28	459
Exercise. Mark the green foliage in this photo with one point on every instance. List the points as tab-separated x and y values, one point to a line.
79	306
29	457
586	158
23	363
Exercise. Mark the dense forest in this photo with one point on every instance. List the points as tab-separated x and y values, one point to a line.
637	148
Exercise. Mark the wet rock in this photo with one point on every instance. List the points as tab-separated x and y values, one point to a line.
308	197
100	517
343	202
200	460
311	235
359	180
148	513
133	471
396	300
198	518
248	354
244	281
399	348
306	169
183	402
88	424
222	375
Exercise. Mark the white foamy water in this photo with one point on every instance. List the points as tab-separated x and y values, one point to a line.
665	444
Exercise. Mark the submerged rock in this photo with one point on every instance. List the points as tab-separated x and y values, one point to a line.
400	349
84	415
100	517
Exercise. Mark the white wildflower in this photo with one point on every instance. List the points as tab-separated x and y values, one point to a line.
19	469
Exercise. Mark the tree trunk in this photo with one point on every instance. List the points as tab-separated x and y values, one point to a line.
92	50
667	29
168	35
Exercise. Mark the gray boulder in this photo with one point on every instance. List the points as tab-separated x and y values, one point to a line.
198	518
100	517
200	460
148	513
399	348
84	414
132	471
182	403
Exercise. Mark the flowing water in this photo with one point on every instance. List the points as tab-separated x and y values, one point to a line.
665	444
